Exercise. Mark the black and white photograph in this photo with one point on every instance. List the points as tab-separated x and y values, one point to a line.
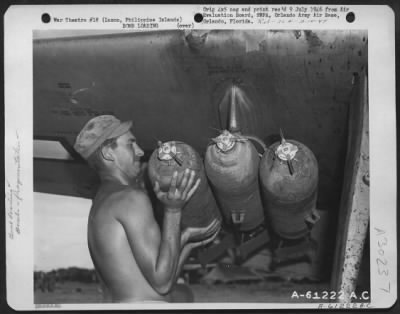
286	99
213	166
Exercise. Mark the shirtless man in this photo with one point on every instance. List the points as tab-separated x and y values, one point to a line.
135	260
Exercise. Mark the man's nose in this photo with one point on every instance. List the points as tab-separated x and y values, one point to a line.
138	151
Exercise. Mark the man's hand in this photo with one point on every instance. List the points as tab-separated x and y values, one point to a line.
178	194
193	234
203	242
211	231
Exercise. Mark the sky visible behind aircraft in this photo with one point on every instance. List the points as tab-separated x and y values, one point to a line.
60	224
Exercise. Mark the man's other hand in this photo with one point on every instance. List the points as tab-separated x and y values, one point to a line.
193	234
178	194
203	242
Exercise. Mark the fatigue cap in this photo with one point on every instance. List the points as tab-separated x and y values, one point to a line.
98	130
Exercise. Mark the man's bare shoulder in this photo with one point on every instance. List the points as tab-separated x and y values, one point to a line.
130	201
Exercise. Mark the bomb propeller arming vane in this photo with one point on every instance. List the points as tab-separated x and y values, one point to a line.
226	141
167	151
286	152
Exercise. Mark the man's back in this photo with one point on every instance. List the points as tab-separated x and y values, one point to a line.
110	249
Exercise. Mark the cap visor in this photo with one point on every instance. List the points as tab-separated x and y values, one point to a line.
121	129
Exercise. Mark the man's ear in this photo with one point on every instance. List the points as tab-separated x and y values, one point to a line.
107	153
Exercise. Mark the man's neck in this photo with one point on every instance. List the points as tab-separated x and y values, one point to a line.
114	177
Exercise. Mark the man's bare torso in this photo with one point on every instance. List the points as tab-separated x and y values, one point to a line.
111	251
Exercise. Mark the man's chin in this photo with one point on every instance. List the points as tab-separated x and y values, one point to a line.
136	172
137	168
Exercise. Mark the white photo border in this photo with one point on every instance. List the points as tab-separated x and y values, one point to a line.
20	22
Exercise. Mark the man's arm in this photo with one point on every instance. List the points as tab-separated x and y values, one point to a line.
156	253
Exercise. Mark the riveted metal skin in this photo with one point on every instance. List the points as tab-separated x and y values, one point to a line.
289	198
201	209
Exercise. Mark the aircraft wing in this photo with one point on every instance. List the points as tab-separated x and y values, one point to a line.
171	84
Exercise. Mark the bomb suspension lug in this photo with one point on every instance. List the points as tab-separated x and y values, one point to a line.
238	216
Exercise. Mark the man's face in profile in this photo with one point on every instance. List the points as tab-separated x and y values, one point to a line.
128	154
